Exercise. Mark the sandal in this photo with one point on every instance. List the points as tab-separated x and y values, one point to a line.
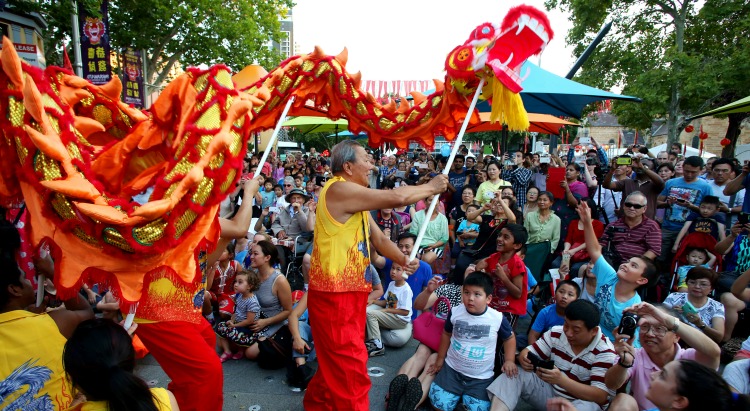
238	355
224	357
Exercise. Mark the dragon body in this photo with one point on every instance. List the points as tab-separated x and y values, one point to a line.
76	155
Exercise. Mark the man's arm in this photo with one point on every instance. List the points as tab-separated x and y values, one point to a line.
345	198
738	183
77	309
576	389
239	225
740	284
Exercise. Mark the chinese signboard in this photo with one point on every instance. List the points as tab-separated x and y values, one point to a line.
132	77
95	49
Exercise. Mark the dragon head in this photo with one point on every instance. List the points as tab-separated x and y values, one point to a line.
501	49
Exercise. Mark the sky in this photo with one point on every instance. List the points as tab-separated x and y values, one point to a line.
409	39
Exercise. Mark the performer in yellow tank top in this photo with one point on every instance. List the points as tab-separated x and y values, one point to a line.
340	276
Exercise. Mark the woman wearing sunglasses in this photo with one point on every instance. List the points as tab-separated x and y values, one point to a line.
633	234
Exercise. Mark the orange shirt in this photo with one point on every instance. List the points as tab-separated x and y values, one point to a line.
341	252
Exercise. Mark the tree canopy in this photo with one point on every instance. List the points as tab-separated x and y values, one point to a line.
191	32
679	57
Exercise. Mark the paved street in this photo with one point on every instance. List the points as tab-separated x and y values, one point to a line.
247	385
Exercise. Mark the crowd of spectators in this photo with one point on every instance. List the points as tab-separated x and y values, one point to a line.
657	241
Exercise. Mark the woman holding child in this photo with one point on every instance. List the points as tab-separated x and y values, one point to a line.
694	306
274	295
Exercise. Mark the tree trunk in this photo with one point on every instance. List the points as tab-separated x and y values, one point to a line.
733	131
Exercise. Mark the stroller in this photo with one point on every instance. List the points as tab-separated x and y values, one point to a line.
691	241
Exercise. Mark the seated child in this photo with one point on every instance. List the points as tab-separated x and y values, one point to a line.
466	359
466	234
395	314
268	194
707	221
696	257
236	332
586	281
554	314
99	358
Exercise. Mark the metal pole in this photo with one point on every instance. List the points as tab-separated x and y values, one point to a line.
446	170
590	49
274	136
76	34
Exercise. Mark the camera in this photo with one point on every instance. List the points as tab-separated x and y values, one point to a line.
320	180
591	162
540	363
628	324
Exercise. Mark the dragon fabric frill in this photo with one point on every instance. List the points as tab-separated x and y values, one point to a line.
78	156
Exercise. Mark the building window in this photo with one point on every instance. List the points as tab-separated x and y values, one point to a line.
286	49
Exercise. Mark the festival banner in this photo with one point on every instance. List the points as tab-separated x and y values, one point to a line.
132	77
95	47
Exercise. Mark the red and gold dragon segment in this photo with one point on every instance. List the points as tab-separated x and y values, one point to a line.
76	154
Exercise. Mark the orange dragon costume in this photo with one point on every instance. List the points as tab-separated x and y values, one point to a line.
76	155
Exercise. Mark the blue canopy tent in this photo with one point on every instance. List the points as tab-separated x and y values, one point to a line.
349	135
547	93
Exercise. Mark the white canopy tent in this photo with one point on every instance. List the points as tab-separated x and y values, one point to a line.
689	151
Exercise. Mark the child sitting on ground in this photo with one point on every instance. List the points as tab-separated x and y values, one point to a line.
554	314
395	315
706	221
236	332
466	358
696	257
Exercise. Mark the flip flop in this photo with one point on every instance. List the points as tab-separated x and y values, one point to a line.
238	355
224	357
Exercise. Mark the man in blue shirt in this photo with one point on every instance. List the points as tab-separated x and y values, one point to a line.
681	195
417	281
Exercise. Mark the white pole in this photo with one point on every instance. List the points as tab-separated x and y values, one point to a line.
274	136
454	150
76	37
41	278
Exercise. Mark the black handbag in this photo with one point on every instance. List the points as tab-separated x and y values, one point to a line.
276	351
610	254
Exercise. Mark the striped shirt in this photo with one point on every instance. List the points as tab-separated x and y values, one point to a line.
587	367
631	242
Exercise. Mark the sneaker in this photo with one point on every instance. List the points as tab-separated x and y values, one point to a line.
374	351
396	390
412	395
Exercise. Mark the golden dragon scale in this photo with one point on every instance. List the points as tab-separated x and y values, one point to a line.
77	155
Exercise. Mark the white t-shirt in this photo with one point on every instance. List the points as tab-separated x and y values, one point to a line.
719	192
735	374
712	309
399	297
473	341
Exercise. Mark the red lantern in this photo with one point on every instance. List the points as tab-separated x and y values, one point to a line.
725	142
703	135
689	128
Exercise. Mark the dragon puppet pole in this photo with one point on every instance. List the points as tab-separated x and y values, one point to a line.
274	136
446	170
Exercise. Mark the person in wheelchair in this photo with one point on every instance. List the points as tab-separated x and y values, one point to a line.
291	221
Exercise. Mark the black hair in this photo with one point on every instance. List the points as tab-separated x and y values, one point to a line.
480	279
705	389
710	200
459	157
387	184
475	205
279	186
549	195
268	249
519	233
583	310
650	272
594	209
697	273
230	250
693	161
722	160
405	235
522	250
10	241
666	164
470	187
99	358
571	283
577	167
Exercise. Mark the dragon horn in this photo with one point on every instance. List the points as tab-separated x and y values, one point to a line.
390	107
87	126
417	97
439	86
73	186
343	57
317	52
107	214
357	79
112	89
32	100
11	63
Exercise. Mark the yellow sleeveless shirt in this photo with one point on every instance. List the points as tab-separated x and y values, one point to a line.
341	252
31	369
161	397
